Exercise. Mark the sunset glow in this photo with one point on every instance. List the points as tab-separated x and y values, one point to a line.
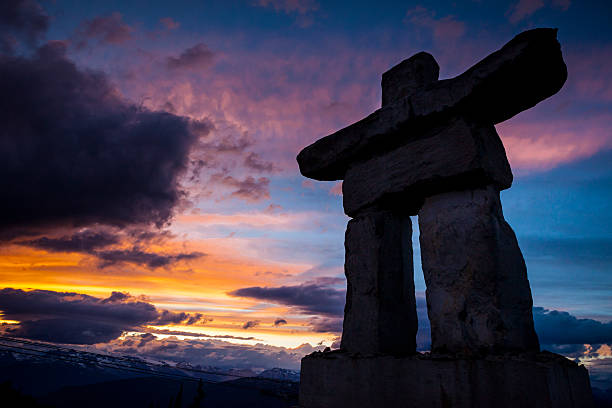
154	192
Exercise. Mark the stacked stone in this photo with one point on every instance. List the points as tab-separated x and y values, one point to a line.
432	151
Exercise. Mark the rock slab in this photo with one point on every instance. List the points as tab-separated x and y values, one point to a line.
537	380
478	295
457	155
409	76
380	311
525	71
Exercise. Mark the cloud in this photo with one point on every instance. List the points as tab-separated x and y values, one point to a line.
273	208
140	257
210	352
557	331
145	338
443	29
96	242
250	324
68	317
280	322
82	241
170	23
248	189
523	9
254	162
541	145
336	189
193	334
74	152
21	20
168	317
557	327
290	6
196	57
326	324
109	29
309	298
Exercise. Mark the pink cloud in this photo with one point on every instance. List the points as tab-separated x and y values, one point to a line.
266	106
533	146
308	184
445	28
589	73
523	9
170	23
248	189
196	57
109	29
336	190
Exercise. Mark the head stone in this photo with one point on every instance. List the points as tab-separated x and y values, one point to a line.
409	75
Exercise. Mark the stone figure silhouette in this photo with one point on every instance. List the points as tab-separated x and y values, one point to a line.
432	150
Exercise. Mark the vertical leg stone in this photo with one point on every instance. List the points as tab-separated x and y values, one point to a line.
380	312
478	295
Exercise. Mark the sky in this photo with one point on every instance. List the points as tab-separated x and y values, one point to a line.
152	203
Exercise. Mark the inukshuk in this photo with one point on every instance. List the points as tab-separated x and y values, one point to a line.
432	150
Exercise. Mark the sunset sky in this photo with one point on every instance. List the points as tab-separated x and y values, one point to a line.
152	204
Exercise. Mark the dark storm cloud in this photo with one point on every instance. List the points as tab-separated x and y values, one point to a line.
280	322
307	298
250	324
109	29
145	338
326	324
140	257
21	20
83	241
555	327
72	151
196	57
68	331
67	317
117	297
96	242
168	317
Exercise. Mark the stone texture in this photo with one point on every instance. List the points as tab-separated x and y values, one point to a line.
454	156
409	76
538	380
525	71
478	295
380	311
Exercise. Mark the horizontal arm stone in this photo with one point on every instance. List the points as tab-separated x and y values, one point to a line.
459	155
525	71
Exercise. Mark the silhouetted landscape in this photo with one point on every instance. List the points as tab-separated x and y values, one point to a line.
37	382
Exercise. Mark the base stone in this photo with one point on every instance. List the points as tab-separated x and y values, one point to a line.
543	380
